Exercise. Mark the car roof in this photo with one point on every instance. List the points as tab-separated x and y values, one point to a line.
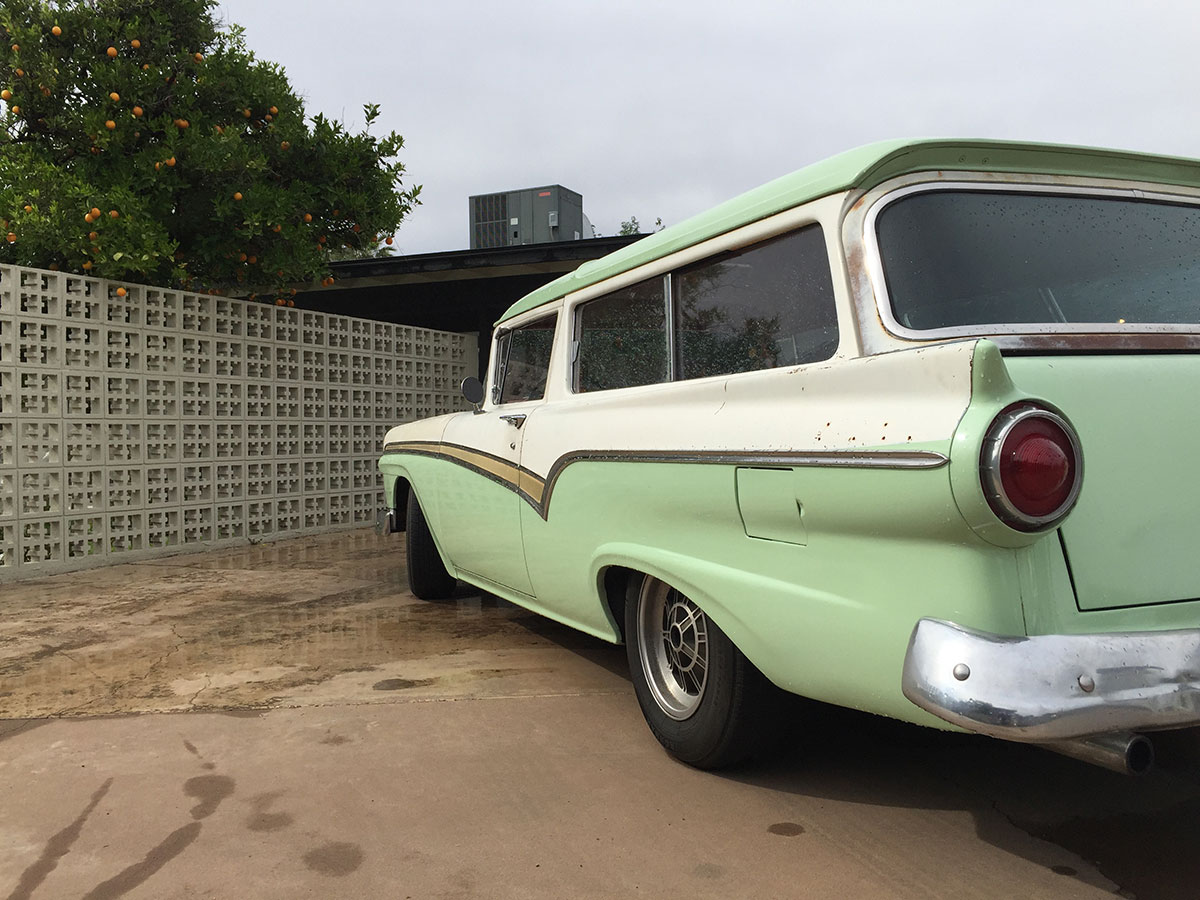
862	169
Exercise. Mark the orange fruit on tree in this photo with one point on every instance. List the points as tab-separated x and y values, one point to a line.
145	67
357	229
321	239
20	73
92	236
28	208
171	161
241	257
308	217
16	48
16	110
285	146
198	57
114	96
5	95
274	110
388	242
95	212
252	260
87	264
277	229
11	237
56	31
110	124
135	44
121	292
246	113
157	166
114	214
269	117
137	112
112	52
280	302
237	195
292	302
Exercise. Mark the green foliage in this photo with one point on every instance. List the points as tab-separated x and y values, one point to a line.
633	226
218	178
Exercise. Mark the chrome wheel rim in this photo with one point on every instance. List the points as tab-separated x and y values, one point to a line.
673	648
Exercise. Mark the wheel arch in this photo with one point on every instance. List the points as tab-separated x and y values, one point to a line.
400	492
618	565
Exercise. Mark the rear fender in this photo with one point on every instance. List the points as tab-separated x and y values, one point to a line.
991	391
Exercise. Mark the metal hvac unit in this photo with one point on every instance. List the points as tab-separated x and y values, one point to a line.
531	216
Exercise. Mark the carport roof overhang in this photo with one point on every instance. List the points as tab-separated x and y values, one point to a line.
549	260
460	290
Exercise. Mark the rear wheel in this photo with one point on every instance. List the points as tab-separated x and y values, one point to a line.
427	575
701	697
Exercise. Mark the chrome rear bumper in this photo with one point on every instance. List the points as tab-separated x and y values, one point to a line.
1054	687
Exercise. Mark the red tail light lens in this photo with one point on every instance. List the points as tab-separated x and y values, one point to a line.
1031	467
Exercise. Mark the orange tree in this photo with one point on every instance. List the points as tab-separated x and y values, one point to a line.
140	140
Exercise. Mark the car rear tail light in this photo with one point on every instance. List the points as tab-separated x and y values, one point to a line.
1031	467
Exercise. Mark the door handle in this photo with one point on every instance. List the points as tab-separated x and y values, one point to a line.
516	420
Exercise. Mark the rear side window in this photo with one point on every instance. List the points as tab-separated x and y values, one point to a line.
623	339
768	305
523	362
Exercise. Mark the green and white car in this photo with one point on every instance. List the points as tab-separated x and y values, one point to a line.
908	431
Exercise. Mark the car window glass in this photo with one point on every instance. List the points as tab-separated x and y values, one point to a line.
525	361
766	306
959	258
623	338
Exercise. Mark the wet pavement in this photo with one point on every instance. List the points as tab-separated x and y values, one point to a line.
286	720
304	622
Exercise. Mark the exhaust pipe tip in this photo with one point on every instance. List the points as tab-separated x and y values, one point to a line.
1123	752
1139	755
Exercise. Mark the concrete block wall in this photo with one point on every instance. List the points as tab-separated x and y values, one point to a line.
137	421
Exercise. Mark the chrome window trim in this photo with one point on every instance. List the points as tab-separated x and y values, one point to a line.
873	259
669	312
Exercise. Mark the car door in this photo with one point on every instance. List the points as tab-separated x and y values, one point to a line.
482	503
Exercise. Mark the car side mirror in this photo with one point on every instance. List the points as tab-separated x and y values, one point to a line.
472	389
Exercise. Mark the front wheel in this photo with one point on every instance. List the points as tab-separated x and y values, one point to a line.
701	697
427	575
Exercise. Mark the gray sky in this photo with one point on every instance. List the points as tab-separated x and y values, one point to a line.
666	108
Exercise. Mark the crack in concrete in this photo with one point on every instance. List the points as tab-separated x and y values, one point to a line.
162	659
207	685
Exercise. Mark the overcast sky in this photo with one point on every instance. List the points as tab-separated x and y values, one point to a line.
662	109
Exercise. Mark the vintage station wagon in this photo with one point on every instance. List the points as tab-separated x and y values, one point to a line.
908	431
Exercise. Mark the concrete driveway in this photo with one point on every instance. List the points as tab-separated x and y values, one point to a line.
286	720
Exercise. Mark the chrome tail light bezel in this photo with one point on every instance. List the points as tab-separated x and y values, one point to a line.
989	466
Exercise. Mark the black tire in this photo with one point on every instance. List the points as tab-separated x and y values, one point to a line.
427	575
709	723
